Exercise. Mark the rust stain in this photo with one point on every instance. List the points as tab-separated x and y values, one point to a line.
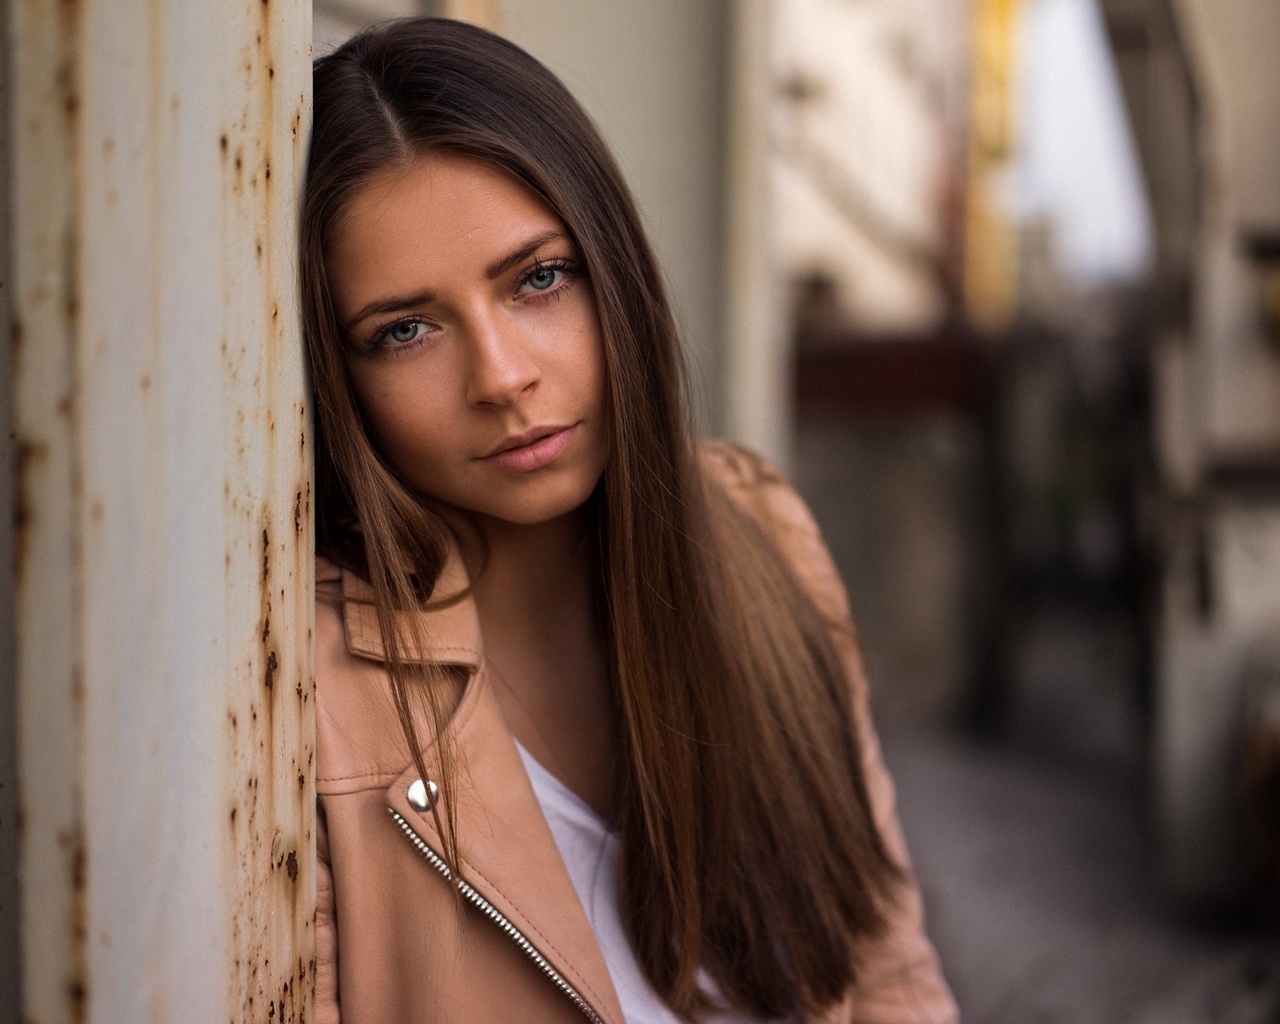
27	456
65	82
78	985
78	992
272	741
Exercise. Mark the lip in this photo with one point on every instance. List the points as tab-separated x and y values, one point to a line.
532	450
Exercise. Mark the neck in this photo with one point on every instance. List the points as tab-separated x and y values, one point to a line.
535	596
534	585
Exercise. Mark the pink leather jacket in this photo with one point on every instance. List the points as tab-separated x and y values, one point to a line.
396	945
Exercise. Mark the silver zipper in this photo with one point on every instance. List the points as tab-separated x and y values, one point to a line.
496	916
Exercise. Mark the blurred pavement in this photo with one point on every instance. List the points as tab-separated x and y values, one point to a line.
1041	898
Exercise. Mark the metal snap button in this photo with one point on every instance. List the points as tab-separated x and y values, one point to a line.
422	796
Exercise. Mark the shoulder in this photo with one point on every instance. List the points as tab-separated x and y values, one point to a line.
327	571
757	487
358	744
735	468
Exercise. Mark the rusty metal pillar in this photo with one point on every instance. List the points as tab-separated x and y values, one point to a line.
9	940
162	509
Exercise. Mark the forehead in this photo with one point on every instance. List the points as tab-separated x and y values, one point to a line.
435	211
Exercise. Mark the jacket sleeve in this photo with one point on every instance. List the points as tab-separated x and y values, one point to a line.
899	978
326	1008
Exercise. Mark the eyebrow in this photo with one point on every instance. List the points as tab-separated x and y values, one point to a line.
496	270
394	303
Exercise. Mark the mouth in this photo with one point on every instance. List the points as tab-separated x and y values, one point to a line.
531	450
529	437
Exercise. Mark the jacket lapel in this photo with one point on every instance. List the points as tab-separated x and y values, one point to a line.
507	851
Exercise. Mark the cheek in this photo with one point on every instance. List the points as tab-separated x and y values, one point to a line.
404	419
590	358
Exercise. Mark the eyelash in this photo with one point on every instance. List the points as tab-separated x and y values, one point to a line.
378	342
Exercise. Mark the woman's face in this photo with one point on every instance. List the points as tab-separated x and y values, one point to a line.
472	339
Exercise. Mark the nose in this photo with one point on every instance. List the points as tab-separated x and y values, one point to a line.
502	365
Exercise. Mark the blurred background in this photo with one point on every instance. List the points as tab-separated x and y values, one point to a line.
998	283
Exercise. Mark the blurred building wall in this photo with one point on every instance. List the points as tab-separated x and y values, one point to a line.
1222	599
1203	89
1232	49
866	119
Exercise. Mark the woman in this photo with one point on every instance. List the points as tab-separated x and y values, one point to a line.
593	737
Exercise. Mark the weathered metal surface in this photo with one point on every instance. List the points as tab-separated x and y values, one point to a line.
162	510
10	944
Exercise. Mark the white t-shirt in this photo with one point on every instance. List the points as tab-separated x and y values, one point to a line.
590	852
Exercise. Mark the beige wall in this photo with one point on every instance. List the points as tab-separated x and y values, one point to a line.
334	21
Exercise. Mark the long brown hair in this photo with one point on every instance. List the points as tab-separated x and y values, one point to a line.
748	844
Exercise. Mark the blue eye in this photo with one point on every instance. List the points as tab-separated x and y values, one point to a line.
542	279
404	332
547	279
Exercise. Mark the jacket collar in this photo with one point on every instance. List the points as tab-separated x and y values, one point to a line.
451	628
507	851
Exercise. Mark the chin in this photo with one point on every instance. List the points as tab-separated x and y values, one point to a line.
535	509
536	514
